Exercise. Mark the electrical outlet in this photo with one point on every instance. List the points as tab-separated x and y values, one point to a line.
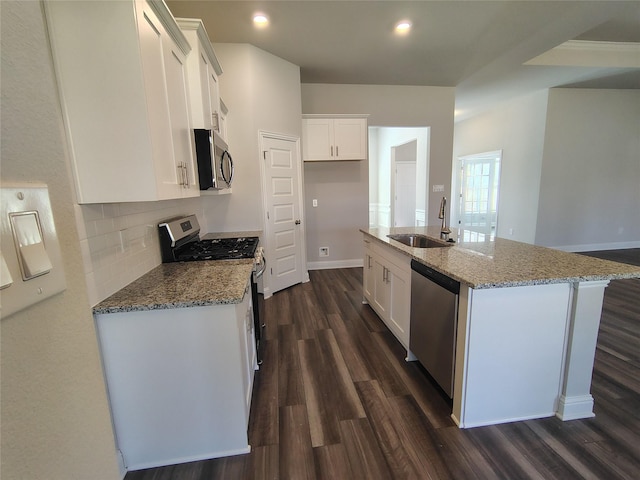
315	202
324	251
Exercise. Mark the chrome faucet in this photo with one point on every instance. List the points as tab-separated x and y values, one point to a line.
443	215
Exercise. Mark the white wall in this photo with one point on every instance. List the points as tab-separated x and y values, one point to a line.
55	418
386	138
590	185
517	128
262	92
344	185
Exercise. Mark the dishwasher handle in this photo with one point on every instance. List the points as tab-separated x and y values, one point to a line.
441	279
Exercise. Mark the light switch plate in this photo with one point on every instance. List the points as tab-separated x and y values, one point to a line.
41	253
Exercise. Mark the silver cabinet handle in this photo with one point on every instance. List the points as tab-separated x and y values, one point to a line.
332	150
337	154
181	168
369	261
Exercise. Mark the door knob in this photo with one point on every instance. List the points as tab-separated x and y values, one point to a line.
297	222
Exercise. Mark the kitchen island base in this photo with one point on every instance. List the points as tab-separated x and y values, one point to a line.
528	320
510	349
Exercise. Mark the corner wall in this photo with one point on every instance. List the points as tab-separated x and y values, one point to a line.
262	92
517	128
342	188
54	412
590	184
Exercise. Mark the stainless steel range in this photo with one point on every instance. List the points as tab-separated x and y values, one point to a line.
180	242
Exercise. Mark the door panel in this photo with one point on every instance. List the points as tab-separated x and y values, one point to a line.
284	234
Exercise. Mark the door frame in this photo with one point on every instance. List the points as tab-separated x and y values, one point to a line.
268	242
457	207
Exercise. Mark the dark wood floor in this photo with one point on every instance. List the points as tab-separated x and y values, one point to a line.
335	399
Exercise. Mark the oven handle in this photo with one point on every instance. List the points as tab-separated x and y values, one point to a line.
263	263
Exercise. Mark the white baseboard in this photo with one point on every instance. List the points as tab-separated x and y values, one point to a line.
356	262
192	458
594	247
573	408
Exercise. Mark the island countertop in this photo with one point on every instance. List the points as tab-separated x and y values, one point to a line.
182	284
502	263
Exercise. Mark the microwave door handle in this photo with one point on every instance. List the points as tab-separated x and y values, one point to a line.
227	180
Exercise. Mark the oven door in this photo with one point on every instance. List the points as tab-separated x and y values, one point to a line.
258	270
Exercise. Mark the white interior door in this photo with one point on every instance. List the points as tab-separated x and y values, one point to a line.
404	211
284	235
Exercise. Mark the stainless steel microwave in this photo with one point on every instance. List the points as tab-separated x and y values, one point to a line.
215	165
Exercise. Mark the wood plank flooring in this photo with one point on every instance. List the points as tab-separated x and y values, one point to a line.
335	399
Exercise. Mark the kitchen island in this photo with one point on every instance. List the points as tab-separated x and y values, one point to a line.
178	353
527	320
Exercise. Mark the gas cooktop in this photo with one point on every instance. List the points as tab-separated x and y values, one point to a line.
217	249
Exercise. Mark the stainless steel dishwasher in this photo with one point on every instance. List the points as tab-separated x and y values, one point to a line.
434	319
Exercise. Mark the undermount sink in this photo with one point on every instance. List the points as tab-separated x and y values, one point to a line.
416	240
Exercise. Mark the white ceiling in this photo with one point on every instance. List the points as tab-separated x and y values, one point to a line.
479	47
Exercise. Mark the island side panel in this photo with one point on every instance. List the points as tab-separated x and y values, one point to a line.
513	344
174	383
586	310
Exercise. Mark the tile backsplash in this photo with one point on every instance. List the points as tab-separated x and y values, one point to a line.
119	241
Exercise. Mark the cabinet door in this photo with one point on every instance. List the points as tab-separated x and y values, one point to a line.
367	274
152	46
183	158
350	136
203	103
317	139
214	97
399	282
381	289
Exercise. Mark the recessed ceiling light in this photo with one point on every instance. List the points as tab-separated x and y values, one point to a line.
260	20
403	27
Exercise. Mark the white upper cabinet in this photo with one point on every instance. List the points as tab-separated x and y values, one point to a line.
334	138
204	69
122	76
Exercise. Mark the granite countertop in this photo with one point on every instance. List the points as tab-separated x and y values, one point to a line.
182	284
503	263
185	284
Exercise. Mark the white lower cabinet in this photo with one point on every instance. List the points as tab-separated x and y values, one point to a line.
179	381
367	274
387	288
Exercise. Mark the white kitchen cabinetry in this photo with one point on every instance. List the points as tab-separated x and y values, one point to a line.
204	69
179	381
334	138
224	111
121	70
367	276
387	288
